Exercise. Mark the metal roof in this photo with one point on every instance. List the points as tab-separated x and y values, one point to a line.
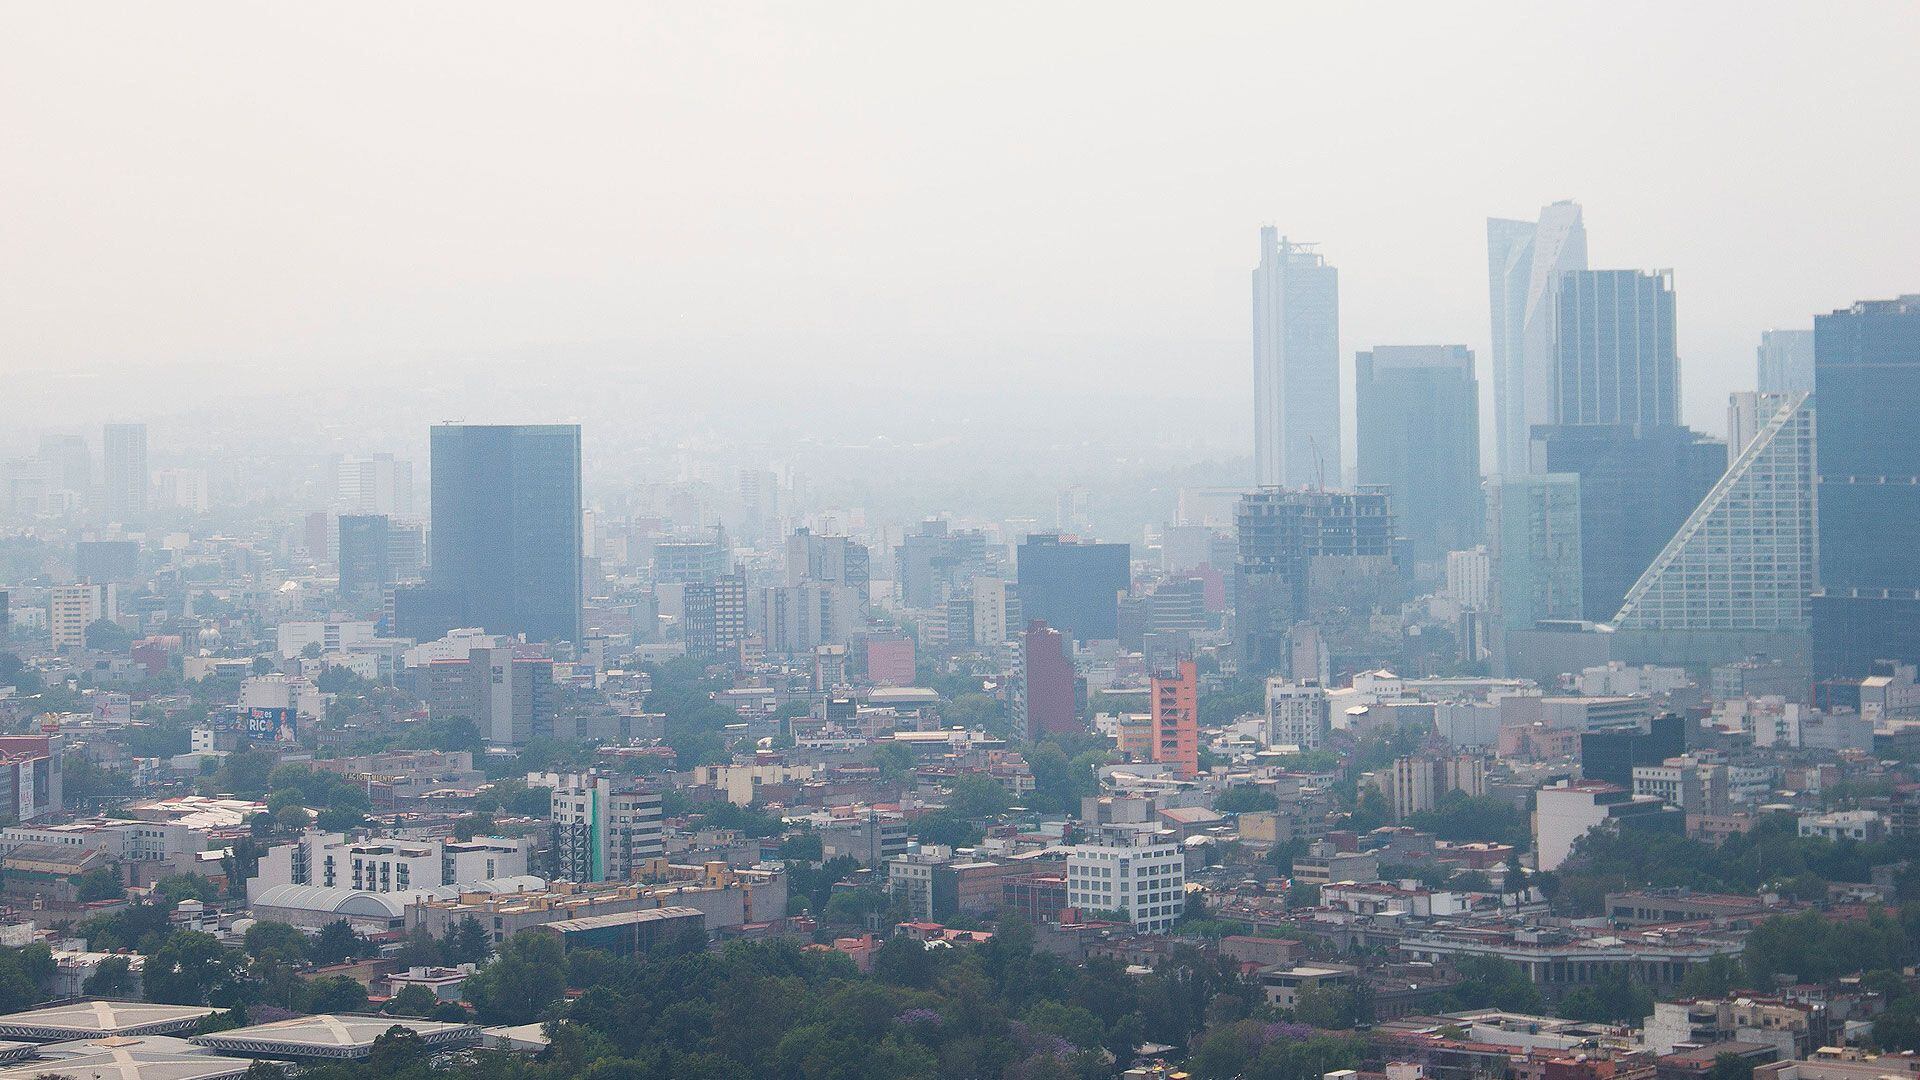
133	1059
92	1019
333	1035
623	918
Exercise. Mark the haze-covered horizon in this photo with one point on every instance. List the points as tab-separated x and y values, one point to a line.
1024	226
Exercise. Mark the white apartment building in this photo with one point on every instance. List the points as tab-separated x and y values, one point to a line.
1567	811
1864	826
329	636
1142	874
990	624
599	833
1296	714
376	865
279	691
1469	574
72	608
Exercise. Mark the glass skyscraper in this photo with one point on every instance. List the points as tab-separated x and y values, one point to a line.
1418	412
1744	559
1785	362
507	526
1866	374
1296	366
1533	546
1524	262
1615	356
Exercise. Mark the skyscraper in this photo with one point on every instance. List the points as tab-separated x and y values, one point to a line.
1744	559
381	484
1524	262
1866	374
1073	587
1418	408
1173	698
1614	350
1045	699
1533	548
366	555
506	526
1637	487
1296	366
124	469
1785	361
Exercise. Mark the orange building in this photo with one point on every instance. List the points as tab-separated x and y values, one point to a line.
1176	718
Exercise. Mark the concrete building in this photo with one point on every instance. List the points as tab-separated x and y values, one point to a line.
1414	784
727	897
73	608
1296	365
1567	811
1861	826
1470	578
793	620
598	831
1293	547
377	484
384	865
1297	714
1174	698
1045	697
993	600
716	617
1136	872
507	692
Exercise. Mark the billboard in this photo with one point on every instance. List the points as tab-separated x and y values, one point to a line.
268	724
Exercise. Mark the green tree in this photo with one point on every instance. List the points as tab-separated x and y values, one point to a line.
191	968
336	944
413	1000
529	974
105	635
111	978
101	884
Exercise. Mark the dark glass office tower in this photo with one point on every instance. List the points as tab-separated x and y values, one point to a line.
1866	378
1615	354
1074	587
1418	408
1637	486
366	555
506	526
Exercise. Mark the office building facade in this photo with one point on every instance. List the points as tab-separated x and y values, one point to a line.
1615	353
124	474
1866	371
1785	362
1296	365
1533	548
366	555
1073	587
1525	260
507	526
1745	558
1418	415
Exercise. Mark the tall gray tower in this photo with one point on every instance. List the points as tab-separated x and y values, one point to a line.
1296	366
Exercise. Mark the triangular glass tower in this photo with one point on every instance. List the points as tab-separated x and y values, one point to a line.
1745	557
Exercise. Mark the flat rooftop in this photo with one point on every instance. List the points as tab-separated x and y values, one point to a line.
336	1036
124	1058
94	1019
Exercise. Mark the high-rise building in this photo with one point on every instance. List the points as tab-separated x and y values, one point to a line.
933	561
124	469
1638	485
1524	262
1073	587
366	555
1174	700
1297	713
507	527
995	611
1785	362
1615	355
102	562
597	832
1470	578
406	550
381	484
71	460
716	617
73	608
1131	870
1284	537
1533	548
508	693
793	620
1866	372
1045	699
1416	783
1744	559
829	560
1418	413
1296	365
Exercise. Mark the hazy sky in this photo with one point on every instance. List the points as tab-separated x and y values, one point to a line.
870	196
